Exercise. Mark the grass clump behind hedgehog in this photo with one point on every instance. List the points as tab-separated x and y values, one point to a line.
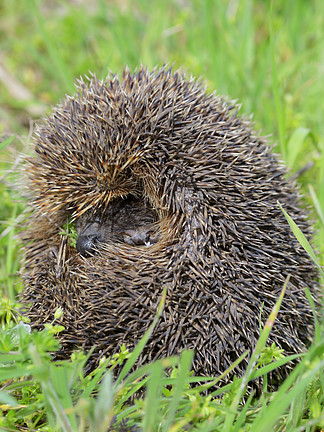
169	188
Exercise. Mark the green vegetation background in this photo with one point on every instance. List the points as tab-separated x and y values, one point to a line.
269	55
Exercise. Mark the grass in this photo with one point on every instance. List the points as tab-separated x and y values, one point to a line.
269	56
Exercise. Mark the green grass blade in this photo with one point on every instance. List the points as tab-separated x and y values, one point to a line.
6	142
295	144
89	389
259	372
10	252
318	332
182	379
7	399
228	425
59	378
242	416
59	64
296	410
277	93
151	400
102	410
213	382
139	347
317	204
302	240
41	372
168	362
305	372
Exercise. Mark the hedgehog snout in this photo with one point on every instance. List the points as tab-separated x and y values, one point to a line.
86	244
88	237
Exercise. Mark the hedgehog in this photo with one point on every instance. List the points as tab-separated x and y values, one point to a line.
170	189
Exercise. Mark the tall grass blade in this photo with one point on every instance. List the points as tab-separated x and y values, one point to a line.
317	204
50	395
59	64
182	379
306	371
277	93
302	240
295	144
242	416
230	418
7	400
10	255
59	378
152	397
6	142
103	404
318	332
139	347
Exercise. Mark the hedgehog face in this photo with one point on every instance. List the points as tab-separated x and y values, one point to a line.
128	220
169	188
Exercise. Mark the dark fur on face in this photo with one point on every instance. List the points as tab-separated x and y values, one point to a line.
170	189
126	220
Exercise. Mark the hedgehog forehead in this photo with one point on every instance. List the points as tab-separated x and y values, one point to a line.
75	142
115	136
76	184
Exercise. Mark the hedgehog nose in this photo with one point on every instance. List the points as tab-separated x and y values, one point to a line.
86	244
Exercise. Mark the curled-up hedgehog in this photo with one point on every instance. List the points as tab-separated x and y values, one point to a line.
169	188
